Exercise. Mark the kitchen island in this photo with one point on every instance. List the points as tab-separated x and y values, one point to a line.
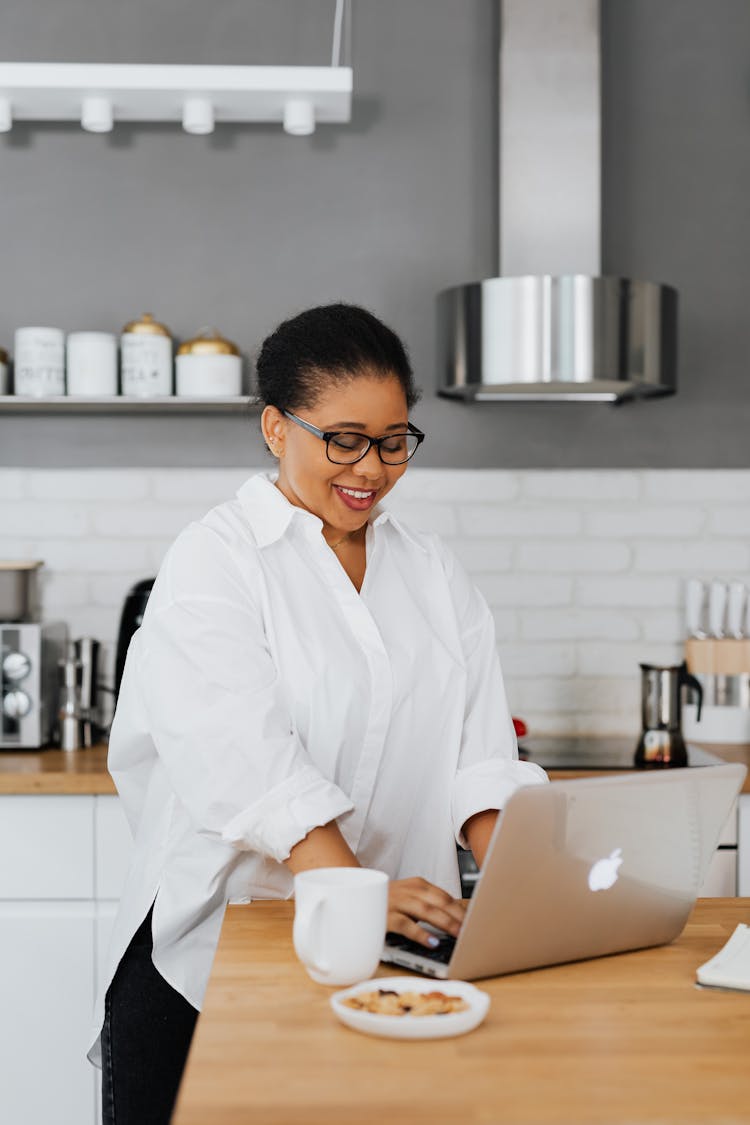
620	1039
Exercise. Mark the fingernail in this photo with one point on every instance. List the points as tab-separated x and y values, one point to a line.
433	942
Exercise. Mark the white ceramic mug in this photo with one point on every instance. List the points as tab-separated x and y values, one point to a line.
339	922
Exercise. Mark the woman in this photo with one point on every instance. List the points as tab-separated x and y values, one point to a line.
314	684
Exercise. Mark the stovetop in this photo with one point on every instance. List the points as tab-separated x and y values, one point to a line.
571	752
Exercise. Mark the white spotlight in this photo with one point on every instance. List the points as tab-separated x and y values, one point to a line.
299	117
6	115
96	115
198	115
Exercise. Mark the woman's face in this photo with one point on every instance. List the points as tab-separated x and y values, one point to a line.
367	405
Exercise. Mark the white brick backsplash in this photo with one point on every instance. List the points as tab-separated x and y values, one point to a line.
424	516
729	521
723	486
623	590
480	556
637	522
572	557
577	624
580	694
109	485
491	486
486	519
663	627
517	590
12	484
24	518
506	625
203	487
87	555
622	660
584	571
571	485
707	558
541	659
13	548
146	521
111	589
59	591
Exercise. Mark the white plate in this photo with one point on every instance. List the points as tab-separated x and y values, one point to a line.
414	1027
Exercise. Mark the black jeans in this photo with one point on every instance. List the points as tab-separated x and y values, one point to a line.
145	1039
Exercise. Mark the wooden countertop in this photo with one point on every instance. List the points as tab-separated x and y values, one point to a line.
75	772
617	1040
85	771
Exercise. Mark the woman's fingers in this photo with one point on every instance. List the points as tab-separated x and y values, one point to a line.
415	900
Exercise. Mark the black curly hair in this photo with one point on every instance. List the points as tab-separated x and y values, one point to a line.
324	345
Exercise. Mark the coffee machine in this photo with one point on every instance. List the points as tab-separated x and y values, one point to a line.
130	620
661	743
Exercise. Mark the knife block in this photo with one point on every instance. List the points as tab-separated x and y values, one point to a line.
712	657
723	668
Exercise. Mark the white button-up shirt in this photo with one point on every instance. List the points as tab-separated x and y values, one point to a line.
263	697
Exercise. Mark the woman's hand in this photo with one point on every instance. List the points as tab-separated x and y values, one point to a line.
411	901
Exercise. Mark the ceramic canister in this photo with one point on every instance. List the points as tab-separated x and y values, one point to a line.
146	358
91	363
208	366
39	360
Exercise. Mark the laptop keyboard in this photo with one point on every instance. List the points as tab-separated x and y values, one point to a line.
442	952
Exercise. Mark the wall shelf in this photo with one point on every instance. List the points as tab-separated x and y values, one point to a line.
99	95
123	404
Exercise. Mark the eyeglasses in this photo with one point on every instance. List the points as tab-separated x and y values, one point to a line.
345	448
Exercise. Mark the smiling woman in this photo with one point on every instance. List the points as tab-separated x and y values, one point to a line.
314	684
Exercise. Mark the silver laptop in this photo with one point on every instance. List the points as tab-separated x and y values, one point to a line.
583	868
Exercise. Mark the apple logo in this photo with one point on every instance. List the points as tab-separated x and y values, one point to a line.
603	874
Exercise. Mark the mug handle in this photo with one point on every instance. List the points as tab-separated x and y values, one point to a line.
306	935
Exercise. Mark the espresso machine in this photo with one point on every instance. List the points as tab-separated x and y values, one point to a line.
661	743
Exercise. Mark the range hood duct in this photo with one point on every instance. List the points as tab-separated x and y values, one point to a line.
551	328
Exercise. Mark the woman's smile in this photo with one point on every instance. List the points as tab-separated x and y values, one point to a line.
359	499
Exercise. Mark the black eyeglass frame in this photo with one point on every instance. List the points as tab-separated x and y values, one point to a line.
326	435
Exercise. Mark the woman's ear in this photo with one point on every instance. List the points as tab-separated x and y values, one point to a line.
272	424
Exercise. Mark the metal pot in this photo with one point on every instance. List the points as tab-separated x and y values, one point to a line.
18	590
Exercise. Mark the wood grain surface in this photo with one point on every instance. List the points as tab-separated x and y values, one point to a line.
85	771
628	1039
73	772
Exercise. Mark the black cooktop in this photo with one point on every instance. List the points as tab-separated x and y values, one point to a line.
572	752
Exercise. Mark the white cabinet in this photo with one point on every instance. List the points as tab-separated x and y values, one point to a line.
113	845
65	859
47	990
743	847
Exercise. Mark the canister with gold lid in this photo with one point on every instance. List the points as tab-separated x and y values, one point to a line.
209	366
146	358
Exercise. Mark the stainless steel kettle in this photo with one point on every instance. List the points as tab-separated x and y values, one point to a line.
661	743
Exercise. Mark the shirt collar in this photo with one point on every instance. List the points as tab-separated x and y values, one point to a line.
270	513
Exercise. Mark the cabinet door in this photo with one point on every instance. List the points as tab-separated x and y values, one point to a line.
47	990
47	847
114	847
743	847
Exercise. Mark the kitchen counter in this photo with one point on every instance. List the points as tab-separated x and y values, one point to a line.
51	771
85	771
617	1040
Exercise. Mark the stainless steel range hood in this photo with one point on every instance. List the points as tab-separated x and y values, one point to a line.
551	327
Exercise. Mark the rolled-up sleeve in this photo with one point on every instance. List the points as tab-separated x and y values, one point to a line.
216	713
488	767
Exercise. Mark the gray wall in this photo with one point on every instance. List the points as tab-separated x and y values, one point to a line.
242	228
